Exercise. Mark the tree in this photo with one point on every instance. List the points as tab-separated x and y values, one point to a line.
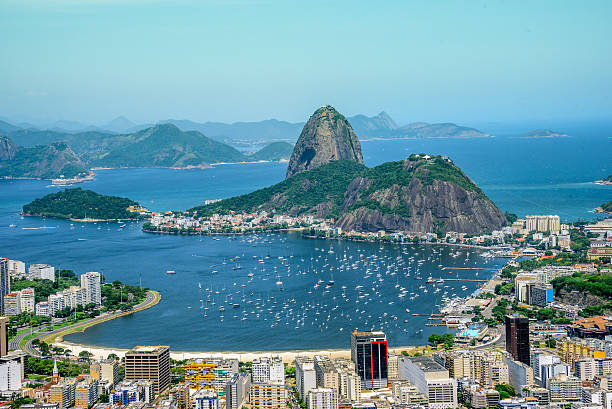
85	354
505	390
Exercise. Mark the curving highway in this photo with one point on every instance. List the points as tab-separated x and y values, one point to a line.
151	299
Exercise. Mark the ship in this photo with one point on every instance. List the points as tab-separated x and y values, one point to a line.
170	272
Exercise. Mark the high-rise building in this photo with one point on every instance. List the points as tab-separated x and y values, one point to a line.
305	376
91	282
268	369
109	370
4	322
5	283
224	369
10	376
565	388
42	271
86	393
369	353
62	393
431	379
517	338
269	395
151	363
16	268
237	390
322	398
326	374
200	374
349	383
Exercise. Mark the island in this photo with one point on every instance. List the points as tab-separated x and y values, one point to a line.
85	205
544	133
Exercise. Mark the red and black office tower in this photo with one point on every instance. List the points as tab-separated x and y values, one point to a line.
369	353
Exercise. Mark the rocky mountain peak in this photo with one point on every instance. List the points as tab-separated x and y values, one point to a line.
326	137
8	149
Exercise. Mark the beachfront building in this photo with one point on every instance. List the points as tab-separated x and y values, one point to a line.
42	271
91	282
5	283
431	379
150	363
305	376
369	353
268	369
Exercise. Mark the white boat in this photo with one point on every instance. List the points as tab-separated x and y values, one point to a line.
170	272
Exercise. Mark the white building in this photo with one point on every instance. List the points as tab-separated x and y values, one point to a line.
42	271
16	268
268	370
431	379
10	377
205	399
322	398
91	282
56	303
43	308
12	304
305	376
28	300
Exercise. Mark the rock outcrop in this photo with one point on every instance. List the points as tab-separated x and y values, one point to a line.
326	137
8	149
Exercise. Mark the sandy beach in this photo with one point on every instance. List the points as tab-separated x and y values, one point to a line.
244	356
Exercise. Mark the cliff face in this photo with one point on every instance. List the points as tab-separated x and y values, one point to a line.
326	137
8	149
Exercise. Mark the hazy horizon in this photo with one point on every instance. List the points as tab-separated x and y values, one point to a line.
469	63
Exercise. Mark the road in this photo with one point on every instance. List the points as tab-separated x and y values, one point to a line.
151	299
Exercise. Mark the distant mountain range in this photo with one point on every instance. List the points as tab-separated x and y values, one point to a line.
51	154
244	133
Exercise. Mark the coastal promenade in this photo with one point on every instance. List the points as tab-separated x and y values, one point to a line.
152	298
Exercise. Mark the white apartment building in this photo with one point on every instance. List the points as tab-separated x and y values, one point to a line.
42	271
322	398
43	308
28	300
431	379
16	268
10	377
349	383
56	303
305	376
268	369
91	282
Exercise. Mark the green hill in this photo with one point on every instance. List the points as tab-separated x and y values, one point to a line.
42	161
607	207
167	146
273	152
419	194
80	204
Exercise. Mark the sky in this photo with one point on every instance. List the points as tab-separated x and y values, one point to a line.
451	61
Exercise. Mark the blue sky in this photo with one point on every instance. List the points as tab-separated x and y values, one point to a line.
461	61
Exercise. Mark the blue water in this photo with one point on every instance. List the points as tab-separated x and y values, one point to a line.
521	176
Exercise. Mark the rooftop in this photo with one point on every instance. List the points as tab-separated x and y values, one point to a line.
427	364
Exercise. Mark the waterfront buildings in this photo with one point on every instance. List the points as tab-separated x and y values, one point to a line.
16	268
210	373
5	283
17	302
322	398
268	369
237	390
325	373
369	353
105	370
91	283
431	379
42	271
517	338
543	223
150	363
270	395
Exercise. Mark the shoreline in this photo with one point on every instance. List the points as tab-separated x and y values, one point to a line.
286	355
80	220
